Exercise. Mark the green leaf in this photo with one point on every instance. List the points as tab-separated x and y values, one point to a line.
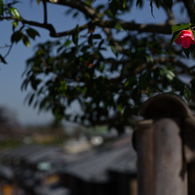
100	44
99	7
15	13
114	7
88	2
96	36
1	7
158	2
118	26
32	33
168	3
142	81
34	82
62	88
38	2
75	14
187	52
26	40
31	99
2	59
16	36
75	35
130	82
193	34
179	27
120	108
150	58
187	93
90	40
168	74
174	37
139	3
67	43
114	49
151	5
14	24
109	13
124	4
127	112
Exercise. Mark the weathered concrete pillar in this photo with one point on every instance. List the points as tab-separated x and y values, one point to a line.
163	146
133	186
145	164
191	178
189	152
170	176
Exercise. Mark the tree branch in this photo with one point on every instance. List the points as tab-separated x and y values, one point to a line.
161	60
170	15
153	28
85	9
92	13
150	28
45	11
189	4
111	38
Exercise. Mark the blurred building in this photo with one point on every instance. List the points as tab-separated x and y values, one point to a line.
39	170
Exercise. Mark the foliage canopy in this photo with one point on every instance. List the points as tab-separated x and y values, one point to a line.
109	65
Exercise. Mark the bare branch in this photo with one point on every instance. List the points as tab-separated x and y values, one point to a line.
152	28
45	11
189	4
170	15
87	10
91	13
162	60
111	38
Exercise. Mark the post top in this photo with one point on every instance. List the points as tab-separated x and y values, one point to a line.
165	105
171	106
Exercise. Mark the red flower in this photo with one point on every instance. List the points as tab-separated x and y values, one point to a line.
185	38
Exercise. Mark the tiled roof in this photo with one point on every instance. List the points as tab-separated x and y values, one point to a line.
119	157
92	166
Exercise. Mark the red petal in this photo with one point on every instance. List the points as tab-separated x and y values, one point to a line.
185	34
188	33
178	40
186	42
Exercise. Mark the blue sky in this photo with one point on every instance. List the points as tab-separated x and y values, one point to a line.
11	95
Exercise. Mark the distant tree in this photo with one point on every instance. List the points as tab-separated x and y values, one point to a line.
7	117
8	122
3	117
110	64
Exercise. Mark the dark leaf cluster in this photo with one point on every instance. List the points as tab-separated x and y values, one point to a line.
108	66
